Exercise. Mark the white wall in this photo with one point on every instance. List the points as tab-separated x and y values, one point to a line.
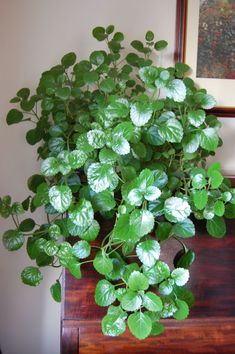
34	34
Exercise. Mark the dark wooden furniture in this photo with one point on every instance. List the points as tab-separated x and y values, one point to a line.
210	328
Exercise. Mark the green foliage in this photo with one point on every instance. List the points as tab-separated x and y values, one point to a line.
123	140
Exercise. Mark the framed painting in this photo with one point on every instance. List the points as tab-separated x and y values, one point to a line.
205	40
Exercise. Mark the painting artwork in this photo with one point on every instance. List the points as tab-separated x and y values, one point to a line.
216	39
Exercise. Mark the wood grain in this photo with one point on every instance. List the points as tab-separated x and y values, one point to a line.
210	329
191	336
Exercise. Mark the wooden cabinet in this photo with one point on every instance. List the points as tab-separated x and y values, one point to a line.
210	328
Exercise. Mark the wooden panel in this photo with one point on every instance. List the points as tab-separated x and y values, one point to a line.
191	336
70	339
211	326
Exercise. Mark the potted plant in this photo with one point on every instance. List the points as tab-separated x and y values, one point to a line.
123	140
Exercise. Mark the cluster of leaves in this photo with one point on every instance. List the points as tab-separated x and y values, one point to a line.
124	140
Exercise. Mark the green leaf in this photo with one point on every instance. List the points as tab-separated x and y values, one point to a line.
17	208
54	232
169	307
83	145
157	273
200	198
176	209
65	251
215	179
50	248
92	232
159	45
13	240
163	230
102	264
191	142
138	281
184	294
118	108
31	276
23	93
166	287
152	302
152	193
181	68
219	208
208	102
60	197
180	276
138	45
209	139
33	136
14	116
216	227
76	159
140	325
176	90
131	301
149	36
103	201
183	310
107	156
75	268
96	138
145	179
142	220
186	260
73	229
63	93
148	252
230	211
120	145
99	33
196	118
135	197
184	229
153	136
123	230
101	176
34	181
104	293
107	85
81	249
27	225
148	74
171	131
55	290
199	181
50	167
90	77
109	29
82	214
97	57
74	182
113	325
157	329
215	166
140	116
68	59
56	145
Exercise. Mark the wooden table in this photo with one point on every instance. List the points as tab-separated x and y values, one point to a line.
209	329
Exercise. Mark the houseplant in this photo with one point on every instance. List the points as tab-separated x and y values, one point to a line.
125	141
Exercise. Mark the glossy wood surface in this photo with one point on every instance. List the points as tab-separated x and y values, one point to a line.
209	329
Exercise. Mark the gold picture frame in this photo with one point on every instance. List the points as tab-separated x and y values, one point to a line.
186	50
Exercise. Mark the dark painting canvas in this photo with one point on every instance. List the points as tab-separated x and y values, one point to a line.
216	39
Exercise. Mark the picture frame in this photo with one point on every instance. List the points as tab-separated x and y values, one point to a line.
186	50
